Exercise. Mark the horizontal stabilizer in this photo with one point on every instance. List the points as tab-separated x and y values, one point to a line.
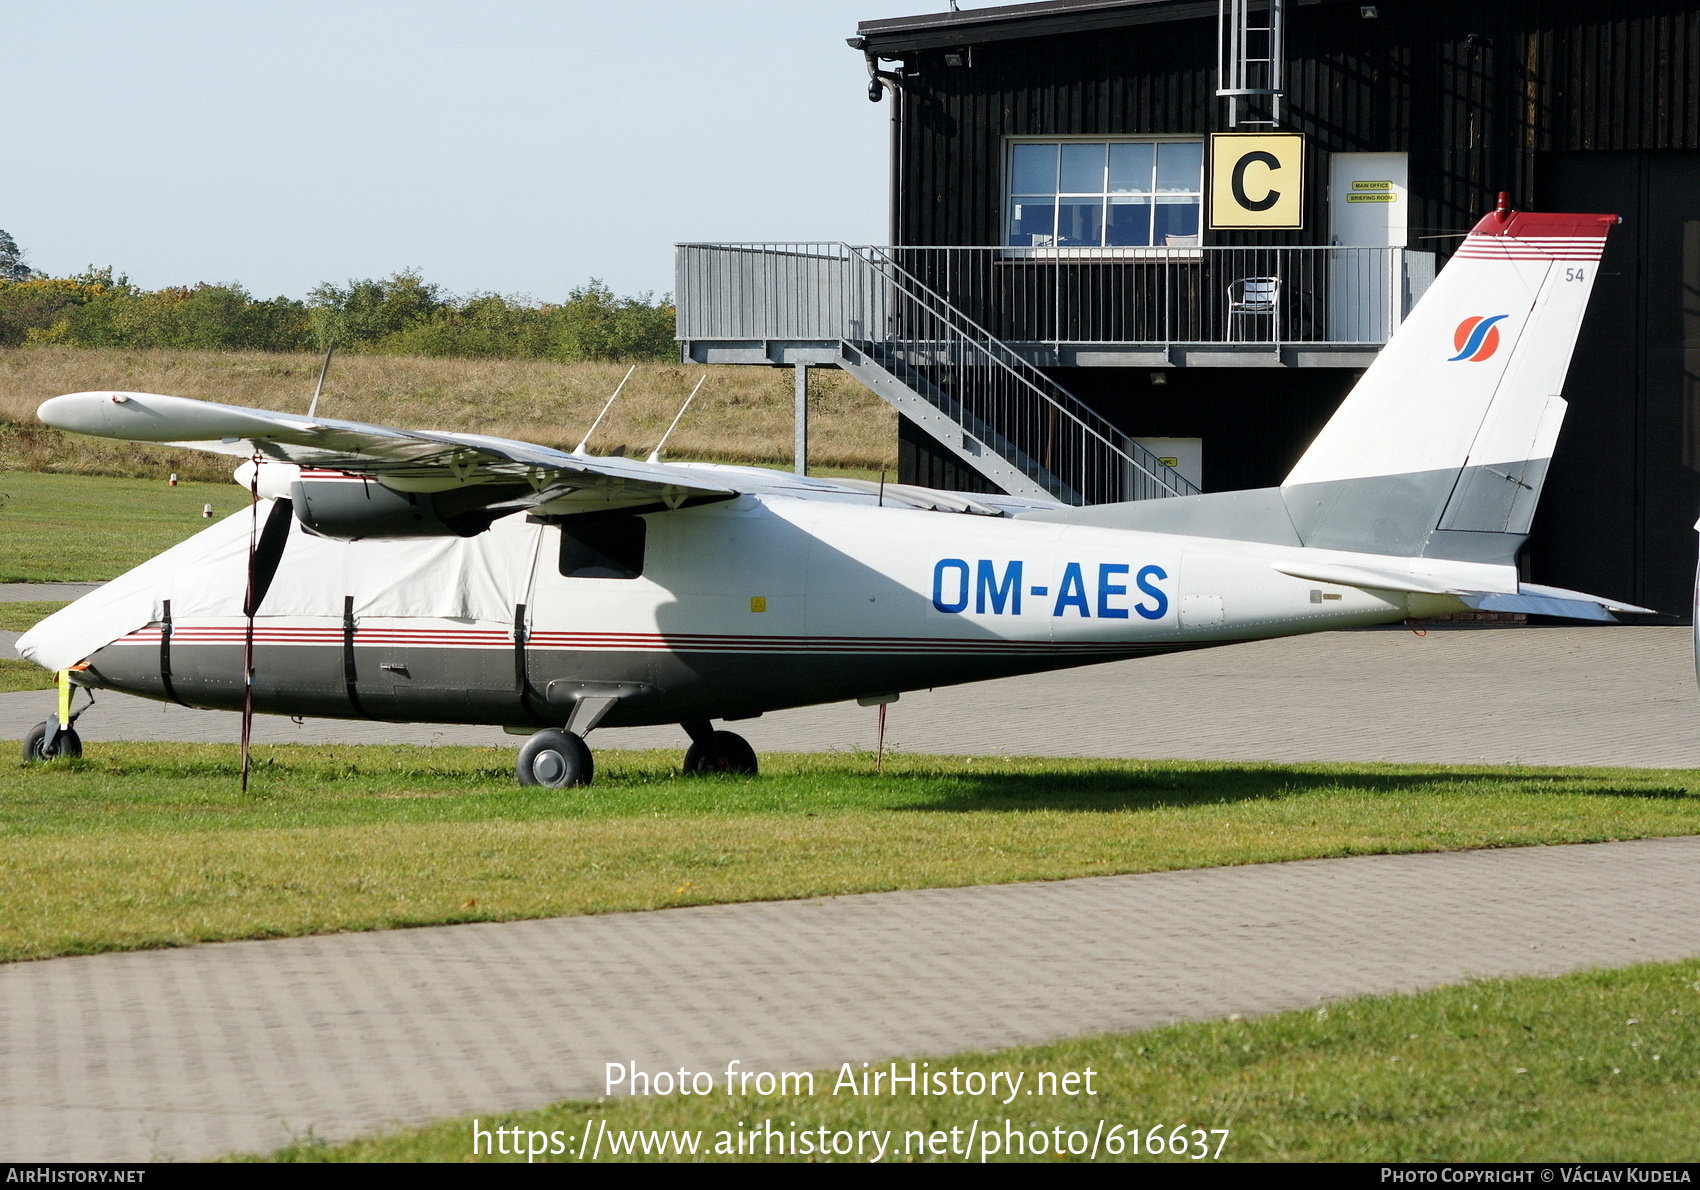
1363	576
1533	599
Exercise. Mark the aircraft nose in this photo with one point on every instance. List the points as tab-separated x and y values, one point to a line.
39	641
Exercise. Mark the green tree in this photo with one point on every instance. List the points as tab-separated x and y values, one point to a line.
364	312
30	308
594	324
12	266
402	315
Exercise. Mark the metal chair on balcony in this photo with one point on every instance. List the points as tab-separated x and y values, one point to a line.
1254	297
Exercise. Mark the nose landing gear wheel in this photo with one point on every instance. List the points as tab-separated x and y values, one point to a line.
556	759
720	752
39	747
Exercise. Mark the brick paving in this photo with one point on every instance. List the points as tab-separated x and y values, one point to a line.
242	1046
1616	695
29	592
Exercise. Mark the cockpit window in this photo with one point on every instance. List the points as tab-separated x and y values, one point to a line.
602	546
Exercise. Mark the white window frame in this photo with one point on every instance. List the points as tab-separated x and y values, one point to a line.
1101	251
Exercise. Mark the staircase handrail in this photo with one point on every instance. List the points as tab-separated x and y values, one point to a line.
1011	361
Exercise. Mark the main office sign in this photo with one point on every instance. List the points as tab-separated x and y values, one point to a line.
1256	180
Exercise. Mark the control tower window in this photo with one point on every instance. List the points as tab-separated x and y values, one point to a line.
1105	194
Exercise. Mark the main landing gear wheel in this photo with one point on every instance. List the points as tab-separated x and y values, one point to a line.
556	759
64	742
718	752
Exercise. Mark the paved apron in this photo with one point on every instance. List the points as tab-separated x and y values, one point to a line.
31	592
1606	695
238	1046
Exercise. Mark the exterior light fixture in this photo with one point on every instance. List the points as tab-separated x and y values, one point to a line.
1368	11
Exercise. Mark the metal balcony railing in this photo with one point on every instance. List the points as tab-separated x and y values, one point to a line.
790	291
982	399
1039	299
955	337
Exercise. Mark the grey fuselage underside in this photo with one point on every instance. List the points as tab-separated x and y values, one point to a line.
422	684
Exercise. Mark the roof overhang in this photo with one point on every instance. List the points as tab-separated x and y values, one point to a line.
1010	22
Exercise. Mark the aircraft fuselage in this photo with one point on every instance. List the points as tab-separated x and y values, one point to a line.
752	605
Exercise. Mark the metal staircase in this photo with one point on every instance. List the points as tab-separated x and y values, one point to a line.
978	398
907	390
926	358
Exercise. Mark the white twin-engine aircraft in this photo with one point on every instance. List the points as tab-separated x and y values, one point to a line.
454	578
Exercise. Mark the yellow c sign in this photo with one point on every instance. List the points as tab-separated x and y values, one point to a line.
1256	180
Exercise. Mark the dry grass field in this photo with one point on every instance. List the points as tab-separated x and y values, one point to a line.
742	414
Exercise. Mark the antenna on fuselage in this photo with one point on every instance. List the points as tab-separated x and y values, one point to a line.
655	455
313	405
579	449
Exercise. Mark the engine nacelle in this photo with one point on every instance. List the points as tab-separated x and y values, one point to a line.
268	479
353	507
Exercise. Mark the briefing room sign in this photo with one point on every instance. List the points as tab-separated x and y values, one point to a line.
1256	180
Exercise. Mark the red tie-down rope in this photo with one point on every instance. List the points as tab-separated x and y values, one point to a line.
248	607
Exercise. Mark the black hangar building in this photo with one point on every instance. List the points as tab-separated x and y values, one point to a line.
1141	248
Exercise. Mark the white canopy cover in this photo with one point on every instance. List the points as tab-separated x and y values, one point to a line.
460	578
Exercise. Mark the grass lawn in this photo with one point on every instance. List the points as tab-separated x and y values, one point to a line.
15	673
143	845
1600	1066
21	616
85	527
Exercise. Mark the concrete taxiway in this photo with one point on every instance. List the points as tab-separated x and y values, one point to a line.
1616	695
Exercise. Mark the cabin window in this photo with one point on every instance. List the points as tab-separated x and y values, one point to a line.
1105	194
601	546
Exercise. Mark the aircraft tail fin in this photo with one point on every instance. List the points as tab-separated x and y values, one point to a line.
1442	447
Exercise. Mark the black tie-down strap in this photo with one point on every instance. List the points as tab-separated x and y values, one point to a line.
350	672
165	656
522	680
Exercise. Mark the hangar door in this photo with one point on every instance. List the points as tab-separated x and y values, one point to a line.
1618	511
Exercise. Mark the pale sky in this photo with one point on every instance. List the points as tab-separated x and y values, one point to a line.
518	146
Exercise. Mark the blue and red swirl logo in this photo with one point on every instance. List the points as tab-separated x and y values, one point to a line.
1476	338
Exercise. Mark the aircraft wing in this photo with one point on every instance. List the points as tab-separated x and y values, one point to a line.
378	452
534	478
